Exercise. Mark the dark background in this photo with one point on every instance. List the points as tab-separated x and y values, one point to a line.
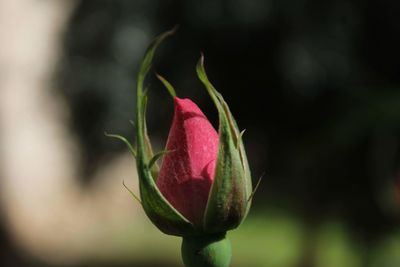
314	83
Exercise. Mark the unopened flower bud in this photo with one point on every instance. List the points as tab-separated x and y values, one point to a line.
203	188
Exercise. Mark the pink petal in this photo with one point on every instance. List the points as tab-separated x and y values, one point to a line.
187	172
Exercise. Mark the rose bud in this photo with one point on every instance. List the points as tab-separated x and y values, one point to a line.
203	188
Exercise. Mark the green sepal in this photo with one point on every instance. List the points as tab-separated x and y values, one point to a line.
148	148
167	85
131	192
124	140
228	203
133	152
240	139
240	146
157	156
157	208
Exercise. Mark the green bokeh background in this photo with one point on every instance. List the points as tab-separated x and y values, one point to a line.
316	85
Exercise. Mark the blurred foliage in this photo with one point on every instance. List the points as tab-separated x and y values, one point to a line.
316	85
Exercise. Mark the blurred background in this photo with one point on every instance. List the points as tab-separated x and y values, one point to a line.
316	85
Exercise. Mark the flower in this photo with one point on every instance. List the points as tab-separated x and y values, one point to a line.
204	184
203	188
187	171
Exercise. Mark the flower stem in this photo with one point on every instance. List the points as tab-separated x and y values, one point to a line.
206	250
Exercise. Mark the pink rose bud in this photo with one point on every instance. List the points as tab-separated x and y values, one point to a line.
203	187
187	171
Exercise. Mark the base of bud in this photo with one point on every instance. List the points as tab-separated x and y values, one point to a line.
206	251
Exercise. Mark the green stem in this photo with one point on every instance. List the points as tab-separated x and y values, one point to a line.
206	250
